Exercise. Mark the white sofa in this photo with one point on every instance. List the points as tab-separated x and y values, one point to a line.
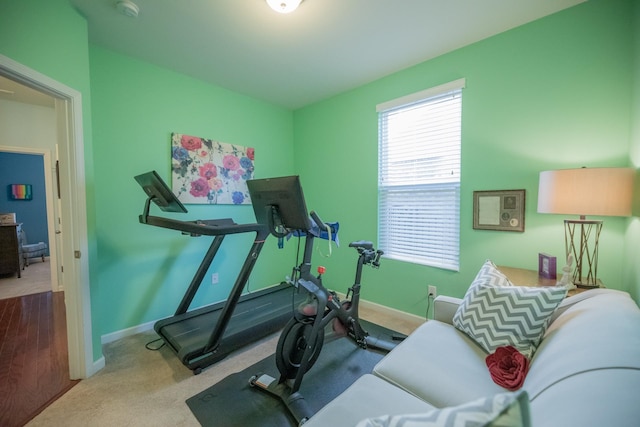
585	371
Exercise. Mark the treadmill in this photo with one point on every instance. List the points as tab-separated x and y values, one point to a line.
206	335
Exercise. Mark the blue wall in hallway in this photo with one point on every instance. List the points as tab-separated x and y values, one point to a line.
18	168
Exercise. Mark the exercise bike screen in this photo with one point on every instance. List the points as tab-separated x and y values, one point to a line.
285	193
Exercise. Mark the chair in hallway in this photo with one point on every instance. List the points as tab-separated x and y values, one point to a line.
31	250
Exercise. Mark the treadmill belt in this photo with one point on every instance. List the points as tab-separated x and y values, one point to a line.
256	315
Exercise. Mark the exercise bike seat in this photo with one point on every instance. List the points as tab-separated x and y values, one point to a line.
364	244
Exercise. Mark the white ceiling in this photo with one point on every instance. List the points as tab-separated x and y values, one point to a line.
13	91
324	48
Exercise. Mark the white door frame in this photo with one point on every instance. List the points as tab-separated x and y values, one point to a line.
73	212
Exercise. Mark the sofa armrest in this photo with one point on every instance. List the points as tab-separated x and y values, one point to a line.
444	307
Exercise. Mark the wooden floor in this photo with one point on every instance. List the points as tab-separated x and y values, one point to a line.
34	366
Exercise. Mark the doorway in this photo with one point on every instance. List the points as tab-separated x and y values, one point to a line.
34	334
33	215
37	217
73	218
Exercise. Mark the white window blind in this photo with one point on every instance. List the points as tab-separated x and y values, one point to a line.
419	176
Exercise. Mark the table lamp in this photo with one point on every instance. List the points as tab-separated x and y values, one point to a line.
585	191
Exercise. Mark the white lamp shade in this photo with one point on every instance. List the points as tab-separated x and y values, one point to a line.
284	6
586	191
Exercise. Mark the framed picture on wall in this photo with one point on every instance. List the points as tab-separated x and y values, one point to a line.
206	171
20	192
501	210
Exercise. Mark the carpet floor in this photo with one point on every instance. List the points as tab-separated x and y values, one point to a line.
233	402
141	388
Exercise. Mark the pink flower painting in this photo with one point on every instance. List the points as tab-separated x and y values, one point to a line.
205	171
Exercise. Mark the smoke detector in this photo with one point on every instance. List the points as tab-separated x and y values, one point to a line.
127	8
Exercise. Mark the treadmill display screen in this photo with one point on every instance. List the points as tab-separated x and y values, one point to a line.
159	192
283	193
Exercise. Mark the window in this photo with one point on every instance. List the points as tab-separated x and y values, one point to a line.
419	177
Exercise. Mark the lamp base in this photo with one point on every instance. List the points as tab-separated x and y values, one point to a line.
581	241
589	285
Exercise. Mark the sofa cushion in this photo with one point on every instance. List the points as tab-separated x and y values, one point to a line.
440	365
496	316
602	397
598	332
504	409
369	396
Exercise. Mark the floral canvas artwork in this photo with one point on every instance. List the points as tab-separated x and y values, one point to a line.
205	171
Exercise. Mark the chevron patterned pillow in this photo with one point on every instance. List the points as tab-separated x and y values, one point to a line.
490	275
497	316
501	410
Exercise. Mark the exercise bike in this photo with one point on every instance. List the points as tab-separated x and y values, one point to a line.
302	338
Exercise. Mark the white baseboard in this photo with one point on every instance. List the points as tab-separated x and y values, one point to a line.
96	367
387	310
397	313
114	336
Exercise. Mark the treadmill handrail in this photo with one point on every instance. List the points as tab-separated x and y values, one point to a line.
218	228
200	228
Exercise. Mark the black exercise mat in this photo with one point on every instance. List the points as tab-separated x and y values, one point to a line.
233	402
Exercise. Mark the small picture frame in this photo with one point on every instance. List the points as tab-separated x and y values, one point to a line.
20	192
501	210
547	267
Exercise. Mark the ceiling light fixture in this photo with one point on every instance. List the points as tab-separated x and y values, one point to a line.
128	8
284	6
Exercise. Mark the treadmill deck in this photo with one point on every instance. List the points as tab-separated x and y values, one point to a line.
256	315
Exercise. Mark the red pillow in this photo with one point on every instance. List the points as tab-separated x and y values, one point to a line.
508	367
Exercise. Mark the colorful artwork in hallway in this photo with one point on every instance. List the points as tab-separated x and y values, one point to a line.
20	192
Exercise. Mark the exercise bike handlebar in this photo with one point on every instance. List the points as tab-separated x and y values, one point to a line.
372	256
364	244
318	221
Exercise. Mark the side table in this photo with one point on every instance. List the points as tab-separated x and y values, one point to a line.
524	277
9	249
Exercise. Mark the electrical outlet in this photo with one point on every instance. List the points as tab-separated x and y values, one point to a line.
432	291
214	278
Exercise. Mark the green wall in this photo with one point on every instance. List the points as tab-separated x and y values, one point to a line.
50	37
144	271
632	247
547	95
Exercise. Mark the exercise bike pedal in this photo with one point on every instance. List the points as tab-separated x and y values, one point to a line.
295	402
262	381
